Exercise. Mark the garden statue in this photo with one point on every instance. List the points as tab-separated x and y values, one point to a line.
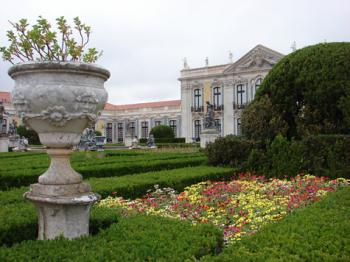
209	132
135	142
58	92
209	121
150	142
128	136
12	128
2	120
87	140
4	140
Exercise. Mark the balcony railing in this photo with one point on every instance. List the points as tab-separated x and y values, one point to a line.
239	106
197	109
218	107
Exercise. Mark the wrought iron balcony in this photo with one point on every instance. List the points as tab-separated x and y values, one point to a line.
197	109
218	107
239	106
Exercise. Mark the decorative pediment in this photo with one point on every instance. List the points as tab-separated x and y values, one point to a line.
260	57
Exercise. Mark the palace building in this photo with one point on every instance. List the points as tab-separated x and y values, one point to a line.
228	87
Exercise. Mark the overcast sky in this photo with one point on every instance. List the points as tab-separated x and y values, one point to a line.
145	41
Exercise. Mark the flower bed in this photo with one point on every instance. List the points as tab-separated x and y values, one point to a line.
239	207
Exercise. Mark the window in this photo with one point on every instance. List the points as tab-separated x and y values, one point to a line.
239	131
217	97
109	132
258	83
197	98
144	129
218	124
157	123
132	129
241	96
197	129
120	132
172	124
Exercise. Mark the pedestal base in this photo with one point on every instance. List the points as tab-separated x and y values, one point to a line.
208	136
65	215
4	144
128	141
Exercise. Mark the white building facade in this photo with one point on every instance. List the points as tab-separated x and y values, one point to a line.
142	117
229	87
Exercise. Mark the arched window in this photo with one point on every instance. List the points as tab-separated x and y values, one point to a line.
217	97
241	96
197	129
197	98
258	83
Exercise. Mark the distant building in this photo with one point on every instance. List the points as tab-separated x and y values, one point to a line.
229	87
143	117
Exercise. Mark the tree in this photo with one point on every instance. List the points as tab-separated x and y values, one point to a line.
308	93
162	131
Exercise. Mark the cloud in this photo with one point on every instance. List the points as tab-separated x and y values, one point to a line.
144	42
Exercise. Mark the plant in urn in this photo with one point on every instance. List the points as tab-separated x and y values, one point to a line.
58	93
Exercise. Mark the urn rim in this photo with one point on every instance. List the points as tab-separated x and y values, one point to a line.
58	66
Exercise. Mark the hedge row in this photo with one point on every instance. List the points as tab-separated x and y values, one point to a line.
18	215
137	238
319	232
136	185
27	176
19	222
321	155
165	140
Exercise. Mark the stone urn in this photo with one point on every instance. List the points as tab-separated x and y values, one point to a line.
59	100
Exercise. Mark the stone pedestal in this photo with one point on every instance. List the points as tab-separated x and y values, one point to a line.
4	144
128	141
208	135
62	200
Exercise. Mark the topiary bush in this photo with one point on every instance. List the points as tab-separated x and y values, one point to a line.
162	131
306	92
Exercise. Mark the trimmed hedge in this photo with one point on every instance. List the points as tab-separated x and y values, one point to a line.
229	150
137	238
320	155
25	176
319	232
136	185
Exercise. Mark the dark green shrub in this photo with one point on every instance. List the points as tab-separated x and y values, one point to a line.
162	131
229	150
30	134
327	155
285	157
309	90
